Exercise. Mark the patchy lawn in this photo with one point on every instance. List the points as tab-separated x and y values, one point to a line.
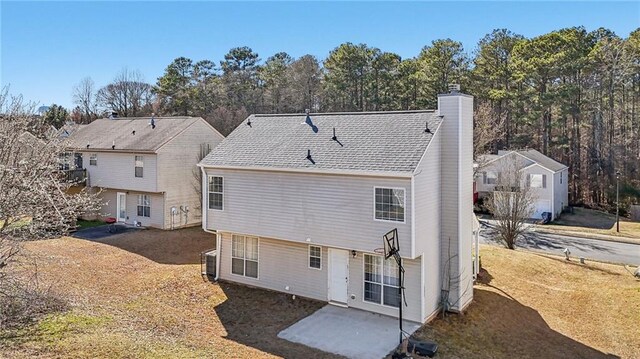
82	224
595	222
140	295
534	306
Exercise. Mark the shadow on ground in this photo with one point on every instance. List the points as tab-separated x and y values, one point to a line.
254	317
496	326
181	246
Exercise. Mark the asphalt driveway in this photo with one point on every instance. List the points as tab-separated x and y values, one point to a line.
99	232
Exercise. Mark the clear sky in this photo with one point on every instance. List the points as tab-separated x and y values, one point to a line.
47	47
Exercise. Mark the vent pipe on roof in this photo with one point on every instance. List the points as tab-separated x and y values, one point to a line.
426	127
113	145
152	122
309	157
133	132
249	122
87	145
113	115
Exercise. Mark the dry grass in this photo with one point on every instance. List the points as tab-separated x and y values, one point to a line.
595	222
140	295
534	306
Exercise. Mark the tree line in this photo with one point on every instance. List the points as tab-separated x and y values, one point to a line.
573	94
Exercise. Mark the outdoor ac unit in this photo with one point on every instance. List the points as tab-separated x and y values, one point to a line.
209	263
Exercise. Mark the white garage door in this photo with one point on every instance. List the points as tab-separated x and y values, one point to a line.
541	205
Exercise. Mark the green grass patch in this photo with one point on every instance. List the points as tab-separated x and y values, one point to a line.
82	224
56	326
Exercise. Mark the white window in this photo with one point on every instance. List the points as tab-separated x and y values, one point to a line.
93	159
144	205
315	257
490	177
381	282
139	166
537	181
215	193
389	204
244	256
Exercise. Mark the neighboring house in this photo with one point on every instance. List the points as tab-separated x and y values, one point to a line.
146	168
300	203
547	178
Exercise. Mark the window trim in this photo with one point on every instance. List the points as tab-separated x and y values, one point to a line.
135	166
244	259
404	195
309	257
141	196
93	159
542	180
381	283
209	192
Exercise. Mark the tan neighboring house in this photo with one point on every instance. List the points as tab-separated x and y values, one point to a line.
547	178
146	168
299	204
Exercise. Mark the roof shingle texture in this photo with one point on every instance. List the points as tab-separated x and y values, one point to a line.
375	141
543	160
101	134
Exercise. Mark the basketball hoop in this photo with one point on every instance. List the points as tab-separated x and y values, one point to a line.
379	251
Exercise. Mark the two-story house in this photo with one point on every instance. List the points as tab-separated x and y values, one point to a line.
146	168
547	178
299	203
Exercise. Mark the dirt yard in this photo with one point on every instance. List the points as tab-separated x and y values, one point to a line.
140	295
595	222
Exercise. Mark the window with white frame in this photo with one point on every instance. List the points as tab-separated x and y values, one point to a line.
537	181
139	166
93	159
144	205
215	193
490	177
381	281
315	257
389	204
244	256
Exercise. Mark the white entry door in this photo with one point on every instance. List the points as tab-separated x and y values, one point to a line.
338	275
121	207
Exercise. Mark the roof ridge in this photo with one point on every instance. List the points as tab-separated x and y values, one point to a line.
341	113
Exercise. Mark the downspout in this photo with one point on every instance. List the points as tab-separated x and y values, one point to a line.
205	216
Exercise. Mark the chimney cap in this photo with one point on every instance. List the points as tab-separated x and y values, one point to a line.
454	88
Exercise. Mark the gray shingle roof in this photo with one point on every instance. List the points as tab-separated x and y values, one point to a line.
101	134
543	160
368	142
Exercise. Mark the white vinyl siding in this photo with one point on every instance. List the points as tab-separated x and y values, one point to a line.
216	198
329	210
389	204
139	166
244	256
114	171
315	257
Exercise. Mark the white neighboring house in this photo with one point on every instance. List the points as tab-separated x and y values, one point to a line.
148	173
547	177
299	204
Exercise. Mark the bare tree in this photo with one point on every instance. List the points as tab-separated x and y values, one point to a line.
511	202
128	95
84	96
488	129
34	202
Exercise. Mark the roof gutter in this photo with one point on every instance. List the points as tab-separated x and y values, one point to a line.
314	171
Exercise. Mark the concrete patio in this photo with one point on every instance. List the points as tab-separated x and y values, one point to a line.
350	332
